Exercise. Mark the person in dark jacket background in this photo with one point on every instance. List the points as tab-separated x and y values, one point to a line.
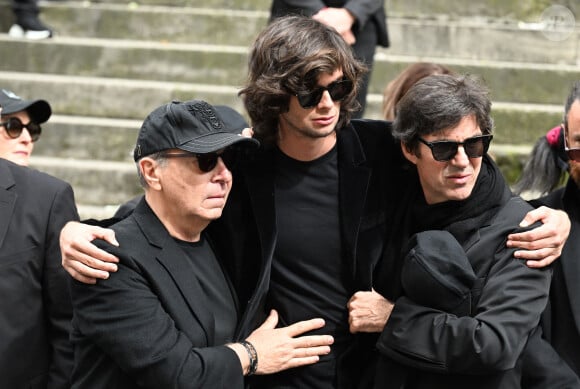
362	24
556	153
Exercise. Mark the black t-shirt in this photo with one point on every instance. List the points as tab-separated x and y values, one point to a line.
216	290
308	277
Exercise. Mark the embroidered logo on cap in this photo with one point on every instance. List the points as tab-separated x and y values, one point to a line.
205	112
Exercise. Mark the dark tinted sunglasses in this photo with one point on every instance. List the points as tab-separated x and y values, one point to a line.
338	90
208	161
445	150
14	127
573	153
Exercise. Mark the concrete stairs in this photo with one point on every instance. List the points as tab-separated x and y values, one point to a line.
112	62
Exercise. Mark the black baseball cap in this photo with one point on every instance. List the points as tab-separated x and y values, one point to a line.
194	126
38	110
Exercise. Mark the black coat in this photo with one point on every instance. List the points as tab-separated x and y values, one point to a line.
561	320
425	347
35	307
146	326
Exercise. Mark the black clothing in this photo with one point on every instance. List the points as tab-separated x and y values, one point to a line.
367	161
35	306
214	287
148	324
423	347
561	320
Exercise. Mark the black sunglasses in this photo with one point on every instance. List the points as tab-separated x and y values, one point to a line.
445	150
208	161
14	127
338	90
573	153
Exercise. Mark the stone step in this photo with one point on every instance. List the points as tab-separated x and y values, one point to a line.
226	65
90	138
514	9
134	99
95	182
443	35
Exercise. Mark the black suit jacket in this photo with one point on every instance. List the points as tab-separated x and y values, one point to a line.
561	320
368	160
146	326
365	11
35	308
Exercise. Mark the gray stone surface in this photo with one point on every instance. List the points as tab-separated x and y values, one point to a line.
113	61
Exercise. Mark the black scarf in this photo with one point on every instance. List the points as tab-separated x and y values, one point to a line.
461	218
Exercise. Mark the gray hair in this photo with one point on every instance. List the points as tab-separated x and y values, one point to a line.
157	157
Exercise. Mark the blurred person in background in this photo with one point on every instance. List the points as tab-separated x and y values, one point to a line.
35	308
362	24
396	89
27	23
20	126
553	155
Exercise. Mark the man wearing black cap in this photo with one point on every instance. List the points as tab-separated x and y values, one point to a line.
35	306
168	316
20	126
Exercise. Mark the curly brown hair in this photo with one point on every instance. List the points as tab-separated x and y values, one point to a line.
287	57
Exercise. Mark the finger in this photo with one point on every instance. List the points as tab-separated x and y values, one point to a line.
108	235
312	351
81	272
271	321
537	244
534	216
304	326
542	263
296	362
81	278
536	255
93	256
310	341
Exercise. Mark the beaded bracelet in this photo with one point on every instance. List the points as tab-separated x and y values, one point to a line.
251	350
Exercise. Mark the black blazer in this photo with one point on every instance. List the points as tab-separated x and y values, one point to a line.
145	326
561	320
246	233
365	11
35	308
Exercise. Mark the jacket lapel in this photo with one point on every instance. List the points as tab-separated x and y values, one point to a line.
354	178
172	258
7	199
260	182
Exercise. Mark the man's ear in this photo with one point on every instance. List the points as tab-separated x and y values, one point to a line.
150	171
408	153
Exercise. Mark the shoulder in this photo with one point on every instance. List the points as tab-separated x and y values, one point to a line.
374	136
511	214
28	177
552	200
370	127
